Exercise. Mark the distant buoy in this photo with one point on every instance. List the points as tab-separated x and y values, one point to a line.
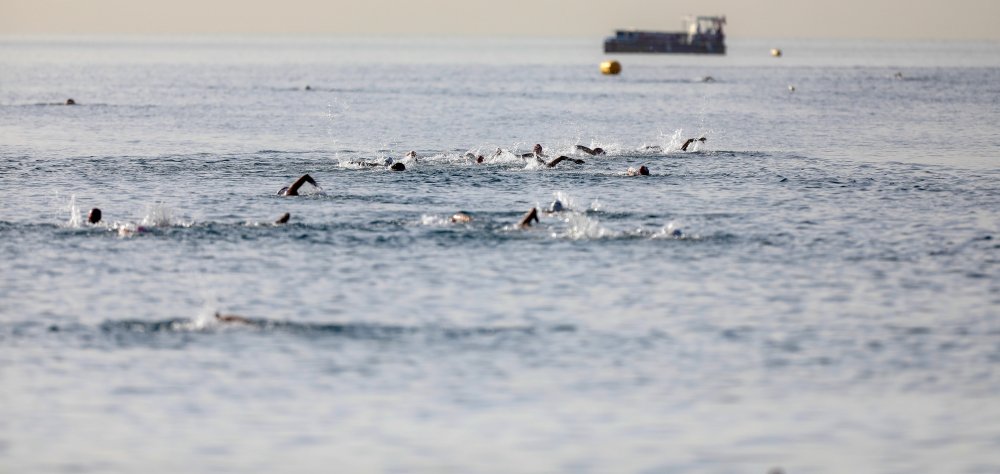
776	52
611	67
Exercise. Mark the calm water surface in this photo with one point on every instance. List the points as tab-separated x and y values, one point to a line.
816	287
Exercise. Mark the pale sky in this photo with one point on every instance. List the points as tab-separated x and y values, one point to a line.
895	19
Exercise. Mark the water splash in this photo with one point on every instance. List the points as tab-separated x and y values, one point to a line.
582	227
158	215
75	217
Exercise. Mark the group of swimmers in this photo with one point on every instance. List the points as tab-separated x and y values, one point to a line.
537	152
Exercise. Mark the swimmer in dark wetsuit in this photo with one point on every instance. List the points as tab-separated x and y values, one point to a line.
642	171
525	221
283	219
94	216
70	102
689	141
553	163
477	158
595	151
293	190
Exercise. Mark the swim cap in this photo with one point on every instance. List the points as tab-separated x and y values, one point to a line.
557	206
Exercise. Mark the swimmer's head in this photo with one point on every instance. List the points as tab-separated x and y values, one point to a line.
480	159
411	154
537	149
557	206
598	151
94	216
70	102
398	167
643	170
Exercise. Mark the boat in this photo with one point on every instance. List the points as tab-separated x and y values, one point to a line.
703	36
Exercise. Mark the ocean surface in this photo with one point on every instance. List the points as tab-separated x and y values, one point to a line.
813	289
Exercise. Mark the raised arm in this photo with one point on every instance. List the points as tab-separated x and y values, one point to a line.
531	215
293	190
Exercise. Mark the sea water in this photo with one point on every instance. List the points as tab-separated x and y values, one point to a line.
814	288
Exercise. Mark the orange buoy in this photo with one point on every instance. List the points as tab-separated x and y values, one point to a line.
611	67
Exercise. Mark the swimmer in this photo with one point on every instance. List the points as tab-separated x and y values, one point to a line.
642	171
557	206
536	152
412	155
553	163
283	219
94	216
595	151
708	79
689	141
525	221
70	102
293	190
128	230
371	164
308	88
460	218
394	166
476	158
231	318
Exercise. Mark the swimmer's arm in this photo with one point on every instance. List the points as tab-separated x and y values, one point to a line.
293	190
586	150
531	215
561	158
684	147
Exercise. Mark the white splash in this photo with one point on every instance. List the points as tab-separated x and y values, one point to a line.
158	215
75	217
584	227
670	231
